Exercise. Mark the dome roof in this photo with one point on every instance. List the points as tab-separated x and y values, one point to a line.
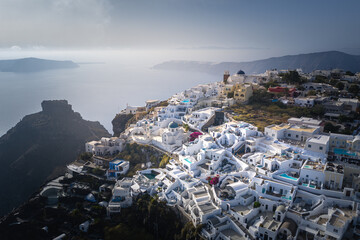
173	125
240	72
280	208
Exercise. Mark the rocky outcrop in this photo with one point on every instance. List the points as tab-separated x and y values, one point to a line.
39	147
120	122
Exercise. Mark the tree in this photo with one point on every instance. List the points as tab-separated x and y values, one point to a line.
123	231
165	160
340	85
329	127
349	73
333	82
311	93
354	88
292	77
86	156
260	96
271	83
320	79
186	127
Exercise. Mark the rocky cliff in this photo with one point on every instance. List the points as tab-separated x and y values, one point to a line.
39	147
121	121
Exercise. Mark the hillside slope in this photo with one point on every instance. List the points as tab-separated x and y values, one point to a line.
307	62
39	147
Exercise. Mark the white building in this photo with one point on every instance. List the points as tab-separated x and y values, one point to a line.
121	196
106	146
130	109
292	132
304	101
173	137
151	103
117	167
305	121
318	143
197	119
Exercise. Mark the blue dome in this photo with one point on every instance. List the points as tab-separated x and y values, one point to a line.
240	72
173	125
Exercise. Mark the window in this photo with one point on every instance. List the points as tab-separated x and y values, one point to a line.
297	136
289	135
307	175
321	148
309	146
335	230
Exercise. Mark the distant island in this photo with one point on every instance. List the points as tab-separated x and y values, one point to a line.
307	62
25	65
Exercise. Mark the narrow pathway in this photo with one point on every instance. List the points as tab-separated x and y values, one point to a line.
244	229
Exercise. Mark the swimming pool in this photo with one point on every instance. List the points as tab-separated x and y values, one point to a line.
340	151
149	175
187	160
309	167
288	177
288	198
308	185
186	101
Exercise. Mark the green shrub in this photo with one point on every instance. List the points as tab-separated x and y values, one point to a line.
256	204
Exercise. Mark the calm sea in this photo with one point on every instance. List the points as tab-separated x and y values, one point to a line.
102	86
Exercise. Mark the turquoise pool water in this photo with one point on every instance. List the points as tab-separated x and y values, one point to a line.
259	166
288	177
187	160
344	152
186	101
149	175
309	167
288	198
308	185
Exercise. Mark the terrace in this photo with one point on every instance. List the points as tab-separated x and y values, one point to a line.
270	224
314	166
207	207
301	205
242	210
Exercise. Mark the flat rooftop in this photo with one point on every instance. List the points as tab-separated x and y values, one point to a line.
232	234
271	224
303	128
319	139
280	127
207	207
241	209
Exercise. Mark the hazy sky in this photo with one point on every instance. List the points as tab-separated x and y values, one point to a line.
284	25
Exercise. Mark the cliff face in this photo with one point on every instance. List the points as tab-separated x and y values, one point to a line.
120	122
39	147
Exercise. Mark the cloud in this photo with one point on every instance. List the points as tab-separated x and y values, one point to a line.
15	48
